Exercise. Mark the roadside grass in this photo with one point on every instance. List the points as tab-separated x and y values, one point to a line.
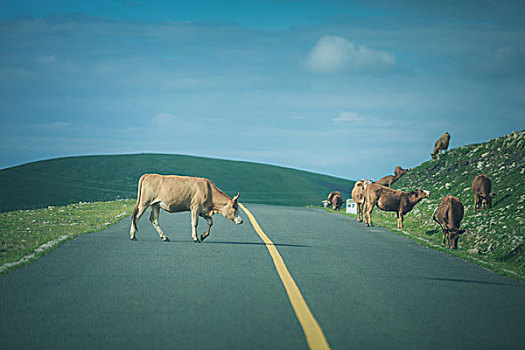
428	233
23	232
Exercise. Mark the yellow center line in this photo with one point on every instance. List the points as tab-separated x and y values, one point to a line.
312	331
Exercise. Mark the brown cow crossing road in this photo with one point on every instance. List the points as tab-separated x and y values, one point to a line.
366	288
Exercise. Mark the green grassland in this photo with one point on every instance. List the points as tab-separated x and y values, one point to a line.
494	238
23	232
39	202
104	178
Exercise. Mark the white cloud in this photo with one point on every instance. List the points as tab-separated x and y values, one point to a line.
349	117
333	54
164	118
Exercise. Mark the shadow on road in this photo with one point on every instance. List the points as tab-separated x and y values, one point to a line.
473	282
259	243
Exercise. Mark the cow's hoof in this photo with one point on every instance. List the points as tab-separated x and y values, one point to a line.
133	239
196	240
165	239
202	237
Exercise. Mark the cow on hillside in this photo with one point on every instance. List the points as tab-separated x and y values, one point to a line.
398	170
441	145
449	215
175	194
336	200
388	180
388	199
481	187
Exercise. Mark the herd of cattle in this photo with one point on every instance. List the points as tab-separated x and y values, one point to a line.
368	194
203	198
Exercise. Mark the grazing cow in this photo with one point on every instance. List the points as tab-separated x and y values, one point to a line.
398	170
482	197
389	179
441	145
358	195
335	199
182	193
388	199
449	216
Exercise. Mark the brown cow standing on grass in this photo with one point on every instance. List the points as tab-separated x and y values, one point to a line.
388	199
182	193
388	180
441	145
481	187
449	216
336	200
398	170
358	195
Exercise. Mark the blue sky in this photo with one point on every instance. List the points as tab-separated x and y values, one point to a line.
347	88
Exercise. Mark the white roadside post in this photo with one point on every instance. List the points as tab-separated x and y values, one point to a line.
351	207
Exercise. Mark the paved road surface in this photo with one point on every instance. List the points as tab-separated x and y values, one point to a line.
367	288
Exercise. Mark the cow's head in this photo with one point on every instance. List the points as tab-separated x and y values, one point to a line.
402	172
230	210
488	200
420	194
453	236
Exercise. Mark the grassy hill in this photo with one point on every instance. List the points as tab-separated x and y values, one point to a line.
102	178
495	237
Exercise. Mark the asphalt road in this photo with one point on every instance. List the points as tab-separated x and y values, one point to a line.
367	288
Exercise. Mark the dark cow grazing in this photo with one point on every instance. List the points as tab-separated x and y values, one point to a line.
449	215
388	199
481	187
358	195
182	193
335	199
441	145
398	170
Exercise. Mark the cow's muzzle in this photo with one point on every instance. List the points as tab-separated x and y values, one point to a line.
237	220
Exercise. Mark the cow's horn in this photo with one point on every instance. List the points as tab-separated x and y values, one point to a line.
236	197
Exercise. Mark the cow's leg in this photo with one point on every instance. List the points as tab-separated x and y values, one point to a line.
194	223
400	220
135	217
368	214
359	212
209	220
365	214
154	218
444	234
476	202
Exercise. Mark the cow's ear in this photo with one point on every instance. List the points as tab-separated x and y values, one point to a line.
236	197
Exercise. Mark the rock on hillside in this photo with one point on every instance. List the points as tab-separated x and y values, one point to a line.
496	234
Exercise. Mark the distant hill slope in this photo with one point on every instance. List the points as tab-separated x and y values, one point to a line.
495	235
98	178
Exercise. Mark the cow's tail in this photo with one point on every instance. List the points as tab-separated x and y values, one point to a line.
434	217
136	208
